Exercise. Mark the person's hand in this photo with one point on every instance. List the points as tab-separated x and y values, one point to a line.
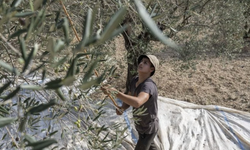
119	111
107	89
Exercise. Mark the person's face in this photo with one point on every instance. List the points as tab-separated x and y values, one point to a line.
145	66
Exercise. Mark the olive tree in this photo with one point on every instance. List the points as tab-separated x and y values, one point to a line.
201	28
46	76
50	57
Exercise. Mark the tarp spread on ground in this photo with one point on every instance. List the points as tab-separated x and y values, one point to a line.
186	126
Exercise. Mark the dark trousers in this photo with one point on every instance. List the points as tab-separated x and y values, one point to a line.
146	142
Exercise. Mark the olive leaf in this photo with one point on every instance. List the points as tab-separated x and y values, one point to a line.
8	67
41	144
12	94
30	139
3	110
113	23
6	121
88	84
30	57
60	94
5	86
41	107
31	87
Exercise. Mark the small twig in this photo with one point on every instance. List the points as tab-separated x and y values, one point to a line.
11	47
14	141
8	54
70	21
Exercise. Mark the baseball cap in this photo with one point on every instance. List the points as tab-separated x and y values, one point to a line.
153	59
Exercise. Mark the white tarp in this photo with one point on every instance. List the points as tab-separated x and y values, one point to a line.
186	126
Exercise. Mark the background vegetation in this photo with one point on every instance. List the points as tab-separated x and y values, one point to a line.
49	62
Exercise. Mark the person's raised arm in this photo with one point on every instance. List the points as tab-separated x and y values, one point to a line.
133	100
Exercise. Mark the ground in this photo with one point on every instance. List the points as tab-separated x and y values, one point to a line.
214	81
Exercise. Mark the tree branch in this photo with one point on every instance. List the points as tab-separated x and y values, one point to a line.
13	140
11	47
8	54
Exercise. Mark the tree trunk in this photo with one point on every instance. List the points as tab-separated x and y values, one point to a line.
134	48
132	52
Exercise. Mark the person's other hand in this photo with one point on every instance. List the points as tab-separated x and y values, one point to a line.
107	89
119	111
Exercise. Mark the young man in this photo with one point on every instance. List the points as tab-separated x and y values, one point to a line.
142	94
